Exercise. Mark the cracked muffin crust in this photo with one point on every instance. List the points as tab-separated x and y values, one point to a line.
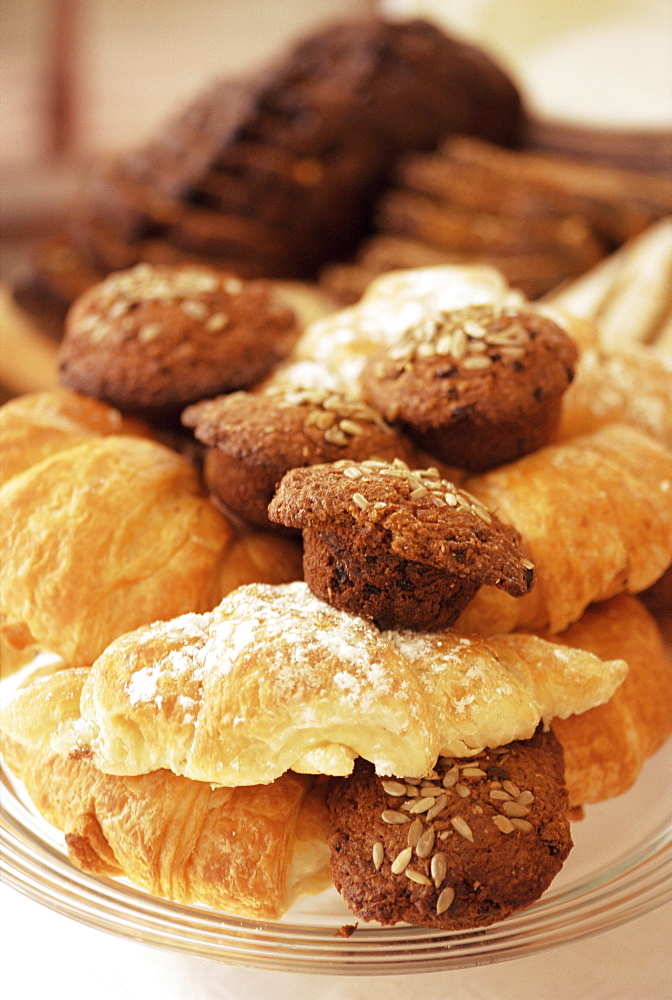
253	439
152	339
474	841
404	548
476	387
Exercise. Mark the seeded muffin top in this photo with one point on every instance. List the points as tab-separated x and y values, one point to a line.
155	338
414	514
292	427
474	841
484	361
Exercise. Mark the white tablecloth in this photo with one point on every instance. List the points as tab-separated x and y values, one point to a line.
47	956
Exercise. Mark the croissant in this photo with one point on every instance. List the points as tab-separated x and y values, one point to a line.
605	747
596	516
633	386
250	851
274	679
37	425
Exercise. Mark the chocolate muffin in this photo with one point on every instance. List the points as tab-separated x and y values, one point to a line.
253	439
403	548
476	387
476	840
151	340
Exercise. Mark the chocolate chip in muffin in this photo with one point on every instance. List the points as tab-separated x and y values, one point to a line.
476	387
468	844
401	547
253	439
151	340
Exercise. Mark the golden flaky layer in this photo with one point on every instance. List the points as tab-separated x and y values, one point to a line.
606	747
107	533
250	851
37	425
101	538
274	679
596	516
632	386
254	850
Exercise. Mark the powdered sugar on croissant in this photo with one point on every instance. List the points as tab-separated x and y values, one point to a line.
274	679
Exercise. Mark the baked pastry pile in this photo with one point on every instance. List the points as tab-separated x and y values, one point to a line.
399	703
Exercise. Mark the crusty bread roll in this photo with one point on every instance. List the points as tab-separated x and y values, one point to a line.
596	516
249	851
274	679
606	746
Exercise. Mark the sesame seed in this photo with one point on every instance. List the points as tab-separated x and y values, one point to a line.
515	809
393	817
439	803
460	825
394	787
421	805
445	900
216	322
503	824
361	501
462	790
417	877
401	861
425	845
438	868
415	832
475	362
194	309
352	473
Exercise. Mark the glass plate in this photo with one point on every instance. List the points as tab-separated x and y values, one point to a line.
619	869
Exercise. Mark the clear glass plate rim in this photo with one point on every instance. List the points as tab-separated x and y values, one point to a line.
615	894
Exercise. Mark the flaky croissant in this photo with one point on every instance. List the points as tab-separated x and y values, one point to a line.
112	532
37	425
605	747
631	386
274	679
596	516
250	851
102	537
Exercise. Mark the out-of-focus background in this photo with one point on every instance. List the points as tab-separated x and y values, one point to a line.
85	78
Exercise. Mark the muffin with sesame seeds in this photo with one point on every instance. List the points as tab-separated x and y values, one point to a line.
476	387
253	439
153	339
476	840
403	548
